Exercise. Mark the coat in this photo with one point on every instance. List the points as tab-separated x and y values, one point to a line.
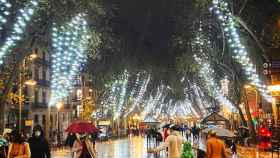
21	150
215	148
174	142
39	147
77	149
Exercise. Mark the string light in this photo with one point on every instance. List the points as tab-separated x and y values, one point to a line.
221	10
206	72
70	44
138	100
4	12
122	96
18	28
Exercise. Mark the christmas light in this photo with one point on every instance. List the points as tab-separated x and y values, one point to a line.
24	16
122	97
221	10
138	100
206	71
70	44
4	12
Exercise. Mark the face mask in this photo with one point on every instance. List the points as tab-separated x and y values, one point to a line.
37	133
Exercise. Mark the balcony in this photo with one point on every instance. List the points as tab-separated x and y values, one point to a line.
42	62
43	83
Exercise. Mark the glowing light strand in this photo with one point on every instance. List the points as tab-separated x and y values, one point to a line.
18	28
70	44
221	9
206	71
4	12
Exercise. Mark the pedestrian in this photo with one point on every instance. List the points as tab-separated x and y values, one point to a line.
233	148
83	147
174	143
18	148
165	134
215	146
188	133
39	146
71	137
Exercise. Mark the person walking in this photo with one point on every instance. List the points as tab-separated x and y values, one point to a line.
83	147
38	144
18	148
215	146
174	143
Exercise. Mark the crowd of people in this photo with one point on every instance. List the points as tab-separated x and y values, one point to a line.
176	137
37	146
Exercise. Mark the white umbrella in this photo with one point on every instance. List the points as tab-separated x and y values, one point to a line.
222	132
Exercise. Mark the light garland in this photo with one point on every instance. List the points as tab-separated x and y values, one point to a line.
206	71
122	97
4	12
221	10
152	102
18	28
139	98
70	44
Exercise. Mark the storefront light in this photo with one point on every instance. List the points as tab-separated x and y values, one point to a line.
274	88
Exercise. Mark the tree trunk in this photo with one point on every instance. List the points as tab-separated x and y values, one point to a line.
250	120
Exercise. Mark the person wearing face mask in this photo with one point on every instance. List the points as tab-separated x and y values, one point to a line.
39	146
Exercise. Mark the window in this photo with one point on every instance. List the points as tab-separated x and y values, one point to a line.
36	73
36	118
44	55
63	117
44	120
44	97
44	74
36	96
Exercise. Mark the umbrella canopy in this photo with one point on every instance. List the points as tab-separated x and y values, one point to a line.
150	120
243	127
222	132
82	127
166	125
3	142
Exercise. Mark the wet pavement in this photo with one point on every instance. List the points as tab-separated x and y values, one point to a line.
136	147
133	147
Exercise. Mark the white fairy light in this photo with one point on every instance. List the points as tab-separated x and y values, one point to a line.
69	44
4	12
138	100
122	96
206	71
24	16
220	9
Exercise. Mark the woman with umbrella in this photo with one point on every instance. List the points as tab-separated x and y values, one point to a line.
83	146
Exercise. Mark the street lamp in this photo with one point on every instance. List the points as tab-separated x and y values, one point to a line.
59	105
21	84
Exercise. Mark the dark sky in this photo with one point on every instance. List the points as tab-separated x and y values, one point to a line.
147	24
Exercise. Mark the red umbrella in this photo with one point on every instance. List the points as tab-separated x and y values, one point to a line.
82	127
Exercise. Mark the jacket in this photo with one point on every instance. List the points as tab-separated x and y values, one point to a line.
77	148
215	148
39	147
21	150
174	143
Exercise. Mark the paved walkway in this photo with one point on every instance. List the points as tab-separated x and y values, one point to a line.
136	147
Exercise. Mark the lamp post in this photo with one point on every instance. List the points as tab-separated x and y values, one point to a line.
21	84
58	106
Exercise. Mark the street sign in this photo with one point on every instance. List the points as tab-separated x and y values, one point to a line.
28	122
99	114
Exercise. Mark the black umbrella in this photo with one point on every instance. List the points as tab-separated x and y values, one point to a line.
166	125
